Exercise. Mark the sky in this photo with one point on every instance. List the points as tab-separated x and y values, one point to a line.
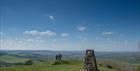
70	25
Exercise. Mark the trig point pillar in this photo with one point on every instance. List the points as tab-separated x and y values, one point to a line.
90	61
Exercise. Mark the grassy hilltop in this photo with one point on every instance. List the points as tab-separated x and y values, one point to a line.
72	65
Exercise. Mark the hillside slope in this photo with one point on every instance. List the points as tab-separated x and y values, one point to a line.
72	65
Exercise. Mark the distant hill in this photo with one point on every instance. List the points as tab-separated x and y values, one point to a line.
131	57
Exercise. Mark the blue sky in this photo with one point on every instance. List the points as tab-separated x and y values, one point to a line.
103	25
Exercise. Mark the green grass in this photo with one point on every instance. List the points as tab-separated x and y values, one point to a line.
106	69
12	59
72	65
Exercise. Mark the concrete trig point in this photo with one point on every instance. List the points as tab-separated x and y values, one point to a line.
90	61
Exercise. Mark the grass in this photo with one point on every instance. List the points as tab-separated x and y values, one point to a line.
106	69
12	59
72	65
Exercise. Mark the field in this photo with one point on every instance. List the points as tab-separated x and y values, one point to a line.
72	61
12	59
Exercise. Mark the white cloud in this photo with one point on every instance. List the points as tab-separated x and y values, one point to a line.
51	17
81	28
30	40
33	40
33	32
64	34
50	33
108	33
38	33
97	38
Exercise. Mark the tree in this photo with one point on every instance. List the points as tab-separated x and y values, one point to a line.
29	62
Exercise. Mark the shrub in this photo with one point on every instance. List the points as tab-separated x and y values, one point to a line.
137	67
29	62
60	62
100	64
109	66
